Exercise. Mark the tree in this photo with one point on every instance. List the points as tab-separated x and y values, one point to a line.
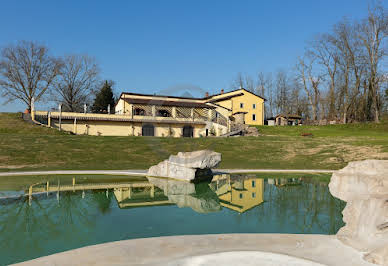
282	92
27	71
351	68
326	55
373	32
77	80
310	85
104	98
245	82
265	90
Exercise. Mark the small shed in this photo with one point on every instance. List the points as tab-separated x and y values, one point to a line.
288	120
270	121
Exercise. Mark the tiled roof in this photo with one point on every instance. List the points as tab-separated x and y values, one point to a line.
168	103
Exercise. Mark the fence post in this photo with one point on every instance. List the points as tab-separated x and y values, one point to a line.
60	117
49	119
173	113
75	126
153	110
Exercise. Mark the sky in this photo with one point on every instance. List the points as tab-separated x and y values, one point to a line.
174	47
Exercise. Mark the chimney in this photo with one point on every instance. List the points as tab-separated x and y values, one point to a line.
222	91
206	94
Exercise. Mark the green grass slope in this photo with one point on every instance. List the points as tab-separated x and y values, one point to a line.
31	147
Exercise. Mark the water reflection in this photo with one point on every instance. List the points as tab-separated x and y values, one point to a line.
240	193
56	216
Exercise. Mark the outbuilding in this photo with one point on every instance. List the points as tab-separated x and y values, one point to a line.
288	120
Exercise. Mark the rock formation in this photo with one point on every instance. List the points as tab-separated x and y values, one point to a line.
187	166
364	186
199	197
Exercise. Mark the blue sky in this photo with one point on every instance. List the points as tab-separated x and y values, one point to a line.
159	46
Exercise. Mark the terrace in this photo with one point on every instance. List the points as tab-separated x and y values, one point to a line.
142	113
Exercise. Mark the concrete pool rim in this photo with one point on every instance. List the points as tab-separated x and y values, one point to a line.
166	250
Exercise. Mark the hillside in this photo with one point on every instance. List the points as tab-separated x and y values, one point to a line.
29	147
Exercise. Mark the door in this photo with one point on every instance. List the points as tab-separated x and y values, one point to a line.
148	130
188	131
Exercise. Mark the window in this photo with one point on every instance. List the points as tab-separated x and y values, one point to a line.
241	105
254	117
254	106
253	183
139	111
241	195
163	113
253	194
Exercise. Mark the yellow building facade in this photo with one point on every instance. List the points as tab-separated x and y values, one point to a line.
162	116
241	101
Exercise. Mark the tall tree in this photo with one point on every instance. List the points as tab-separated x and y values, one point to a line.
326	54
350	68
373	32
265	90
27	71
104	98
282	92
310	85
77	81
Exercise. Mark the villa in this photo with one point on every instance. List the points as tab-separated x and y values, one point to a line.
164	116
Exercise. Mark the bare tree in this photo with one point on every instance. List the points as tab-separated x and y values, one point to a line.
310	84
78	79
27	71
239	82
282	92
351	67
326	54
244	81
265	90
373	32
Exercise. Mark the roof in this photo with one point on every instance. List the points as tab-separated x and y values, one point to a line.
220	106
226	98
156	95
292	116
168	103
211	96
192	98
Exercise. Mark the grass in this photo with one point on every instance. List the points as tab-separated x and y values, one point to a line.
30	147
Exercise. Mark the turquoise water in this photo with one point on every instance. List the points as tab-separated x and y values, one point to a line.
109	209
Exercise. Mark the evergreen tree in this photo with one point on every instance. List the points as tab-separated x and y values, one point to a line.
104	98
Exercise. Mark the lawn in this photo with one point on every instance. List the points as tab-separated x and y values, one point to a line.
29	147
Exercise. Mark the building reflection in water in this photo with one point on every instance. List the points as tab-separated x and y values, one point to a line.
239	193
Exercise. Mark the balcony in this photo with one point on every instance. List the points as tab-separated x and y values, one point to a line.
144	113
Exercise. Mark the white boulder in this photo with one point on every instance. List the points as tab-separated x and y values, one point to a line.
364	186
187	165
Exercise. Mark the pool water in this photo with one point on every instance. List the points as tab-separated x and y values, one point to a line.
72	212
